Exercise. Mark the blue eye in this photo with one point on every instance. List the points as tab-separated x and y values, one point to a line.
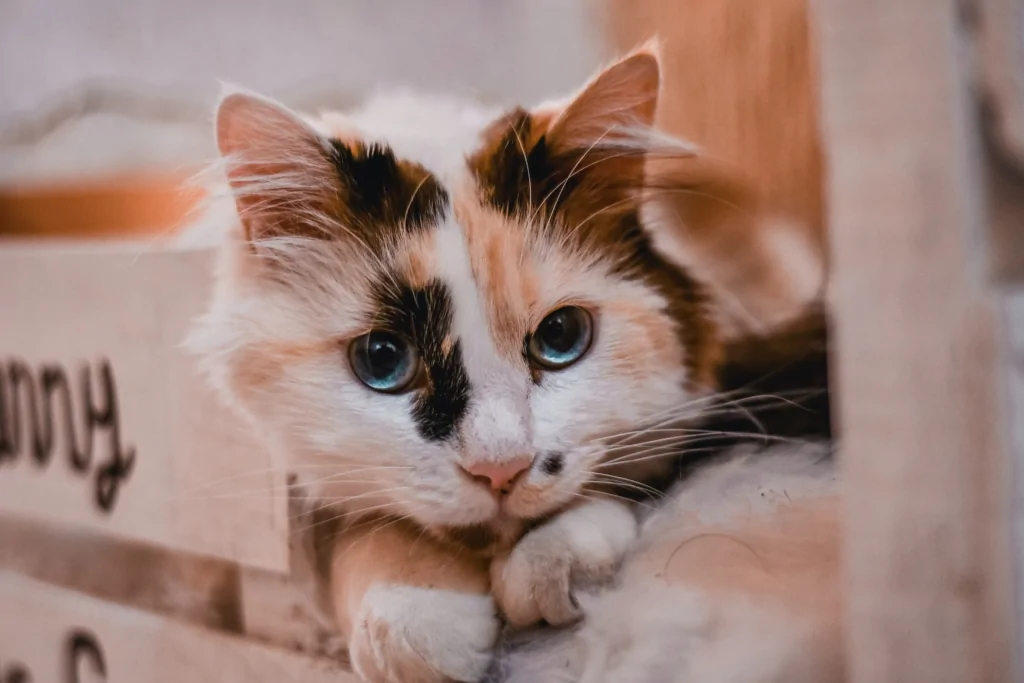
383	361
562	338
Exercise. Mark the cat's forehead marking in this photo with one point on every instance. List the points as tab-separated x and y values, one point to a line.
509	161
580	205
433	131
382	194
424	315
503	266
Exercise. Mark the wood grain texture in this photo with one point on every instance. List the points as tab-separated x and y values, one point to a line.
200	590
1013	357
149	204
1000	68
998	60
917	338
200	481
740	80
39	623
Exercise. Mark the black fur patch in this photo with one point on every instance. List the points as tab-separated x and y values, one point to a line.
381	192
686	300
510	172
424	317
777	386
553	463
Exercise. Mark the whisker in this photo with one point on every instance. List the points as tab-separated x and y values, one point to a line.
626	481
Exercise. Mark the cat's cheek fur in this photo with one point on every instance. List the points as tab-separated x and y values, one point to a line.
582	545
422	635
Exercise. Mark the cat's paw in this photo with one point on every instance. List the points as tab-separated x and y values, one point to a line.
405	634
535	581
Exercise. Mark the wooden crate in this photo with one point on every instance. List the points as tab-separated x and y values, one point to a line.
133	506
129	441
921	188
921	122
928	337
146	205
54	635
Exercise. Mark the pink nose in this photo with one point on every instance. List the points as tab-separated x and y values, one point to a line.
500	476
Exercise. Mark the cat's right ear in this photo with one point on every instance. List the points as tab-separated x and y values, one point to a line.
281	171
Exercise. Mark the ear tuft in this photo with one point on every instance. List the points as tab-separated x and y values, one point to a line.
623	97
279	168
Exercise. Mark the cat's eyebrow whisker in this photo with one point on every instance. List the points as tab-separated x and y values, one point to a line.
572	172
526	162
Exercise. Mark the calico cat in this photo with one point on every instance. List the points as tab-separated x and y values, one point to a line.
479	336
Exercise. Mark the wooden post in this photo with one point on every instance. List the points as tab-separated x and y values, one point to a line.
917	337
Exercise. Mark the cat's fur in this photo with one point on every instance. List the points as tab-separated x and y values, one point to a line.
461	228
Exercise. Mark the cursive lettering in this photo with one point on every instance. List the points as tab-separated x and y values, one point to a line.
15	673
32	400
82	646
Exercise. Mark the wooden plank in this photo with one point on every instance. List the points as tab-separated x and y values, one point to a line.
916	349
998	30
142	205
168	465
740	80
1000	49
201	590
56	636
1013	317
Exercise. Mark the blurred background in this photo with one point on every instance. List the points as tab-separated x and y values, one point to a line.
105	106
106	113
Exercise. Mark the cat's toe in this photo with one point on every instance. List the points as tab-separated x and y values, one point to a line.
581	546
418	635
534	582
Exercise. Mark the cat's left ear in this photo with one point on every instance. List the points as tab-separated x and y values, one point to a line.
619	101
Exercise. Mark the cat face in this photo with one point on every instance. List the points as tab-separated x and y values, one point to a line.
460	320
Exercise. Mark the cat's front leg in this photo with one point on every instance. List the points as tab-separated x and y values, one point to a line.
411	611
535	581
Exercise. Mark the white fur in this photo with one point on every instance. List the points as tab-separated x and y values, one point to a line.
497	426
434	130
584	544
360	450
419	635
319	413
644	630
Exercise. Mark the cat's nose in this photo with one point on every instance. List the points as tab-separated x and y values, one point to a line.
499	476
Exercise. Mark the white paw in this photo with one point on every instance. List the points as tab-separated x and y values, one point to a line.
535	581
420	635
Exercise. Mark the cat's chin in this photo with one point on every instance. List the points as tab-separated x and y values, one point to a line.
483	538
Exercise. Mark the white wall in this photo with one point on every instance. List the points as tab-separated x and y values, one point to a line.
306	50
